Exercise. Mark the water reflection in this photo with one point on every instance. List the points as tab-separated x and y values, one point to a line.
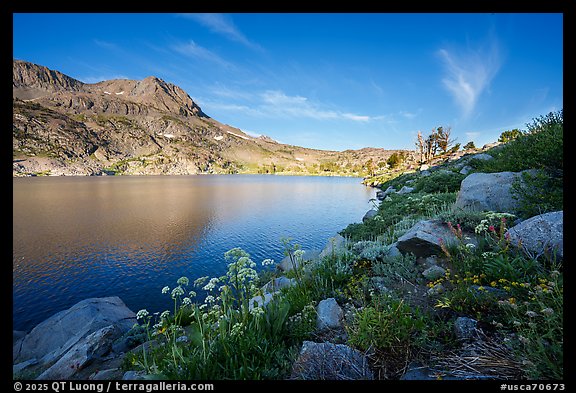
79	237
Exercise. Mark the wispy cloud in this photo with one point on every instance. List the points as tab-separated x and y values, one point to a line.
106	45
278	103
192	49
223	25
469	72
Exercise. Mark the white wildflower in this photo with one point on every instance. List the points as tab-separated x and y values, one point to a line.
267	262
209	299
142	314
165	314
257	311
183	281
192	294
186	301
200	281
299	253
165	290
211	284
531	314
237	329
178	291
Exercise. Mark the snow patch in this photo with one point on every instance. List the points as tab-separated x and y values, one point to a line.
107	92
299	159
122	92
239	136
169	136
219	137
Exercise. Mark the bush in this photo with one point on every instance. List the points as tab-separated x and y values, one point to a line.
439	181
540	148
538	193
388	325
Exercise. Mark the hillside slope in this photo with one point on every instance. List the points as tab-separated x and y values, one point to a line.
62	126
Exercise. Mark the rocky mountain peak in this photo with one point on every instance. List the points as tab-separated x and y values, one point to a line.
31	81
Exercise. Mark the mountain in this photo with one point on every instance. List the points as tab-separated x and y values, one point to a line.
62	126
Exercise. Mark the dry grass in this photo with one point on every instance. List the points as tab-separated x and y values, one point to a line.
483	358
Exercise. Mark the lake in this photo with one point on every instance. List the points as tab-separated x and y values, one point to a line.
81	237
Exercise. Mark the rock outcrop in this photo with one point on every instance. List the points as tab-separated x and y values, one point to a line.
541	234
425	238
328	361
74	334
329	314
488	192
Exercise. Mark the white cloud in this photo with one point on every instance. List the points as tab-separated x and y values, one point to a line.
408	115
468	74
277	103
223	25
192	49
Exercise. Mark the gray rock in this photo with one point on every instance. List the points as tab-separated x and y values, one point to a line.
133	375
488	192
261	301
417	372
424	238
405	190
393	251
381	195
51	339
328	361
370	214
491	145
85	351
309	256
329	314
465	328
466	170
336	244
425	173
541	234
434	273
18	368
278	283
17	335
482	156
108	374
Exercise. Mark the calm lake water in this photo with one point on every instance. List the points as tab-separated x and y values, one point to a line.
81	237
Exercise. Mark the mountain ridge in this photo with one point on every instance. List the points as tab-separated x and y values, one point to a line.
62	126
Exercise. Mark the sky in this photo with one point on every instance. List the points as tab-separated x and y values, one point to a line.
331	81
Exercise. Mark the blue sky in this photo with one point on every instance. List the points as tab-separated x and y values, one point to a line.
331	81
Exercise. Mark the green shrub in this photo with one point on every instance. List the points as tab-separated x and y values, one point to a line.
388	324
394	269
439	181
538	193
